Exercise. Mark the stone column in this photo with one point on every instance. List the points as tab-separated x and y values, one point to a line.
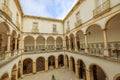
45	44
69	45
70	65
35	45
77	70
86	44
34	67
88	74
16	43
55	45
21	70
8	54
23	46
56	63
46	65
76	49
64	44
65	61
19	47
106	52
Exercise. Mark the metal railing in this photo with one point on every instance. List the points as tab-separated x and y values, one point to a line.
102	8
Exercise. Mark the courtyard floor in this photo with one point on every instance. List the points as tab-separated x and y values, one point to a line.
59	74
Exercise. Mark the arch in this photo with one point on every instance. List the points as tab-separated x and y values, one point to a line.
72	62
14	73
40	64
117	77
61	60
50	43
40	41
95	43
27	66
51	62
112	30
29	43
97	73
67	42
80	40
59	43
72	42
5	76
81	69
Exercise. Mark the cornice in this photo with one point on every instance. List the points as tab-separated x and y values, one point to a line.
17	2
43	18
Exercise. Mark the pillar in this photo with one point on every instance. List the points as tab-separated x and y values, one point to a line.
15	43
70	65
65	61
8	48
46	65
56	63
77	70
106	52
88	74
86	44
69	45
34	44
21	69
64	44
23	46
55	45
34	67
76	49
45	44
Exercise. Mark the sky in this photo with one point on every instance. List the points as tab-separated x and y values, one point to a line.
47	8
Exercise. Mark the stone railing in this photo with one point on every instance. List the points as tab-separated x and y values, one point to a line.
103	8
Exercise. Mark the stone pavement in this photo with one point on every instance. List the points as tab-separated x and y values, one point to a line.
59	74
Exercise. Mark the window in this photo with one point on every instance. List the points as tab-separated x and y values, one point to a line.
54	28
68	24
35	27
78	16
99	2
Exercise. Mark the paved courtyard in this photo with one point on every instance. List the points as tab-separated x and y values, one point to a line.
59	74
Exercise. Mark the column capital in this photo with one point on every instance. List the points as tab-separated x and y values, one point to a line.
104	29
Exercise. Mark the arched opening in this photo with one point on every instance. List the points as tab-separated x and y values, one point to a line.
72	63
72	42
40	41
4	32
81	69
67	61
51	62
118	78
59	43
113	26
50	43
95	43
19	69
13	44
60	60
40	64
29	44
67	43
5	77
14	73
80	39
97	73
27	66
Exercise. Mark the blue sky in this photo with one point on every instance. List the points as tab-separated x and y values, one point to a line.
47	8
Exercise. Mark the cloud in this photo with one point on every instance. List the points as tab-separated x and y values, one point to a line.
47	8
